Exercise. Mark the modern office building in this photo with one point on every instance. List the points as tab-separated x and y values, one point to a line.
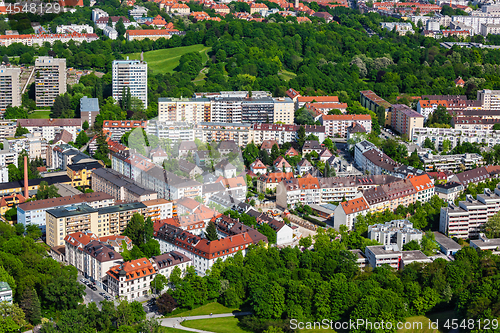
50	80
10	91
131	74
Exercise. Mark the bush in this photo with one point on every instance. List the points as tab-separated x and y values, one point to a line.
313	220
166	303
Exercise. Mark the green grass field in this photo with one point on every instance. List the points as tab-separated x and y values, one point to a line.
164	61
287	75
171	330
217	325
44	114
206	309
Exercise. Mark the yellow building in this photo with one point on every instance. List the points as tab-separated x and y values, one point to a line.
80	174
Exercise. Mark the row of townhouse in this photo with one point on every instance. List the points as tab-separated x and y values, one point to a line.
385	197
99	259
103	221
437	136
311	190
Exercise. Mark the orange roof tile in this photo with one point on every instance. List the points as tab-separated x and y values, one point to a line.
355	205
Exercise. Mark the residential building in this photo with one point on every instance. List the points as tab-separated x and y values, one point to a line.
401	28
447	245
33	212
379	255
404	119
466	219
270	181
470	134
165	263
174	130
310	146
102	22
151	34
97	13
7	129
138	12
202	252
50	80
408	257
110	32
190	110
40	39
120	187
372	102
347	211
473	176
282	164
283	133
191	169
6	293
448	191
97	259
10	90
117	128
217	132
303	190
490	99
257	110
304	166
390	196
48	128
259	8
424	187
283	110
131	279
133	75
457	162
486	244
396	232
336	125
71	28
301	101
179	9
89	109
258	167
159	209
359	149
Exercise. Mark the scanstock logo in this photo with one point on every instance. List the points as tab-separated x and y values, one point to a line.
212	173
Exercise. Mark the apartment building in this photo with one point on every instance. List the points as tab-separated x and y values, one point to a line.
336	125
375	162
174	130
474	122
465	220
257	110
10	90
120	187
437	136
111	220
301	101
130	280
456	162
359	149
133	75
372	101
33	212
117	128
448	191
89	109
390	196
190	110
70	28
40	39
271	180
97	259
473	176
404	119
49	128
379	255
284	109
347	211
401	28
217	132
7	129
202	252
283	133
396	232
424	187
159	209
50	80
427	107
34	145
490	99
165	263
6	293
303	190
486	244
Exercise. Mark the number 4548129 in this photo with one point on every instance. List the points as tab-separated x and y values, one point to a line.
471	324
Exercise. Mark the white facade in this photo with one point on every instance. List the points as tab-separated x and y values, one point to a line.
4	175
97	13
439	135
131	74
110	32
80	28
397	232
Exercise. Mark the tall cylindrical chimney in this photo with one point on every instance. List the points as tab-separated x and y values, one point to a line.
26	194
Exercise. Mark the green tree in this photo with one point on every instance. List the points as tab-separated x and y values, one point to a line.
15	112
306	241
166	303
30	304
85	125
492	227
211	233
301	136
81	139
429	144
120	27
159	283
46	191
275	152
135	229
20	131
63	291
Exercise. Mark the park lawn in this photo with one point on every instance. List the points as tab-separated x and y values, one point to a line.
165	60
217	325
214	307
287	75
44	114
441	317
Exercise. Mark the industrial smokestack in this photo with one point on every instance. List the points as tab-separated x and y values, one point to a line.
26	177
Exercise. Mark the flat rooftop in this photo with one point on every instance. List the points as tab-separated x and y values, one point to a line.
446	242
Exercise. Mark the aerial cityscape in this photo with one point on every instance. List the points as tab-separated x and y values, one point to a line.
249	166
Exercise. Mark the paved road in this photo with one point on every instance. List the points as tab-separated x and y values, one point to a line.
176	321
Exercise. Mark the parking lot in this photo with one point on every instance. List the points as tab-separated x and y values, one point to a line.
93	293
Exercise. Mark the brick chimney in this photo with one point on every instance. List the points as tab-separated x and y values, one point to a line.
26	194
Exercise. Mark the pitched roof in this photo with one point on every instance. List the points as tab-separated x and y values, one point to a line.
275	177
318	99
63	201
421	183
63	136
268	144
49	122
280	162
312	144
346	117
258	165
354	206
133	269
